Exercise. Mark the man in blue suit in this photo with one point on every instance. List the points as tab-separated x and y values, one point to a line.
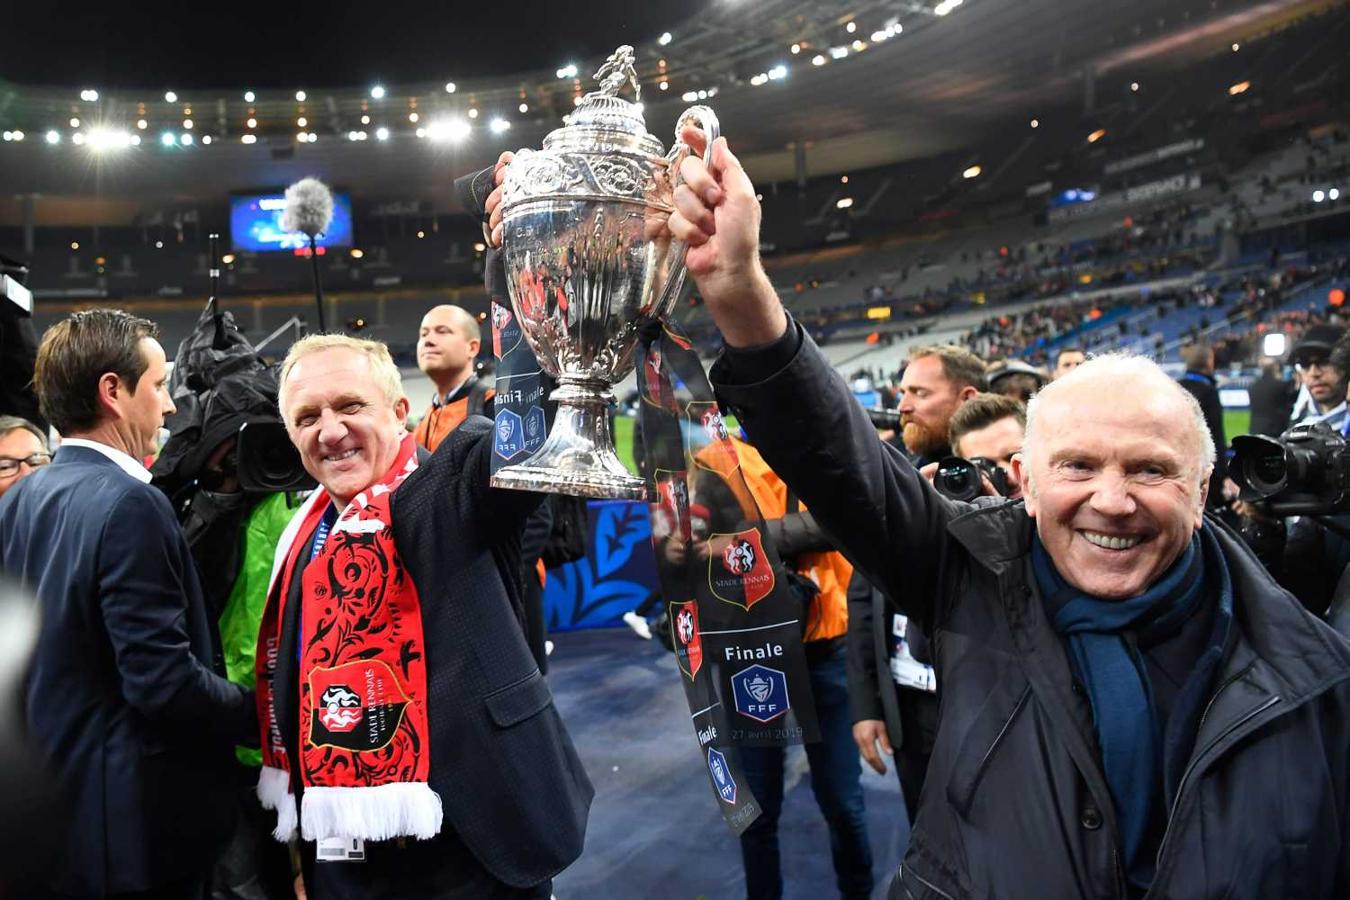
125	695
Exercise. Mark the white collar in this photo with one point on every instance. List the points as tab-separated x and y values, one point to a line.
126	463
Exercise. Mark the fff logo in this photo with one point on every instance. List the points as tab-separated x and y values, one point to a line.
760	693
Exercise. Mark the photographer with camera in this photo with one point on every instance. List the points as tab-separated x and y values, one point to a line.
1124	687
1295	508
1322	384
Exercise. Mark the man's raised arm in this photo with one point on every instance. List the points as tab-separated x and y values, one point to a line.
795	407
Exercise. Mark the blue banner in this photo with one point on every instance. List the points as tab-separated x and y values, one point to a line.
616	574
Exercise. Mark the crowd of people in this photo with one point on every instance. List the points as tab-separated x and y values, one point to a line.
1086	681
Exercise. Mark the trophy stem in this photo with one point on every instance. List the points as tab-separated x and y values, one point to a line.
578	456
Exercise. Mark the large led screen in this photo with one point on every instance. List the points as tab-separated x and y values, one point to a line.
255	224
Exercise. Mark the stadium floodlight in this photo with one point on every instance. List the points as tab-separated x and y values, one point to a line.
141	124
1096	135
664	39
473	112
248	139
450	87
77	138
185	139
568	71
53	137
1319	195
251	122
946	6
843	203
168	139
413	117
818	60
795	49
972	172
1035	123
449	130
1134	87
206	139
377	92
101	139
1274	344
135	140
1333	194
170	97
689	96
249	96
500	125
838	52
1239	88
777	72
300	96
89	95
851	27
524	107
421	132
74	123
381	134
187	124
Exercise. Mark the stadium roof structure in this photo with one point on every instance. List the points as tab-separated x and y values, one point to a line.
870	82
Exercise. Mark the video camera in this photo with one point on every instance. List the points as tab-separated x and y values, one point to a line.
959	479
1306	472
268	462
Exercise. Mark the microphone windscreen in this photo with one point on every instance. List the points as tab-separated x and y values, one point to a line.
309	207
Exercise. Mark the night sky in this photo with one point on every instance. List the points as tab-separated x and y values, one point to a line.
190	44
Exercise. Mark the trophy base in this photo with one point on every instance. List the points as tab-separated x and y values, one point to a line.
578	457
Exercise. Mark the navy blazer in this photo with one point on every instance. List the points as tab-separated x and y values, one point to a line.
515	795
124	695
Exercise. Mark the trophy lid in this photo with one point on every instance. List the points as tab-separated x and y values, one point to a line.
605	111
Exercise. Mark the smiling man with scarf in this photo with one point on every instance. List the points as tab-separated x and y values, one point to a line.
1130	705
407	733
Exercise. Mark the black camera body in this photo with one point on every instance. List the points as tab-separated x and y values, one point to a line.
959	479
267	462
1306	472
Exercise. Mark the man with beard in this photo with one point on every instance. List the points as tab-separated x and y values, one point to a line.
1322	395
936	382
938	379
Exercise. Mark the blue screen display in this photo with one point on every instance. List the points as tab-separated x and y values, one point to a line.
255	224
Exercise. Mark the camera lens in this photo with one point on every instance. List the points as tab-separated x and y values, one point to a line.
957	478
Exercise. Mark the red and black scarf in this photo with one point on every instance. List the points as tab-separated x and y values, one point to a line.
364	741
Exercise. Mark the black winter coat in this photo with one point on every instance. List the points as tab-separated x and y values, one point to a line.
1016	803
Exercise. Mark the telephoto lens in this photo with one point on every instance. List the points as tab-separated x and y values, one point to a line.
958	479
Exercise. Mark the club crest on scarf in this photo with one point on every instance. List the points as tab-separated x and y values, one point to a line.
358	706
739	571
506	332
688	644
709	431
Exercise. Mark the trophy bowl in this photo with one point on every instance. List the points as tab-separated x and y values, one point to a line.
589	261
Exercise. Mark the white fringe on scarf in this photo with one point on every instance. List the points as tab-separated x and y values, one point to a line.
379	813
274	792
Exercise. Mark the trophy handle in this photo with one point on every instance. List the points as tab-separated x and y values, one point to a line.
707	120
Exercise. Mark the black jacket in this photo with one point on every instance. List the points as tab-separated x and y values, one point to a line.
512	787
125	693
1016	803
1206	392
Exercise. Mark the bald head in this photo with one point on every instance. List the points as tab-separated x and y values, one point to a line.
1126	385
447	345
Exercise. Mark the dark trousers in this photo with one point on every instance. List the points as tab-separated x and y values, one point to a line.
178	890
918	729
439	869
254	865
835	774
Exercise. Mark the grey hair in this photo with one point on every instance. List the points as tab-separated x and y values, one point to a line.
1122	369
14	423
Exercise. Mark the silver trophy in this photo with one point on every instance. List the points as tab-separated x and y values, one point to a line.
589	260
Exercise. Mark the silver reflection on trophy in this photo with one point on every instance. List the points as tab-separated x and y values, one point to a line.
589	260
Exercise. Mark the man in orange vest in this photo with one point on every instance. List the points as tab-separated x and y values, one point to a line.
447	346
822	574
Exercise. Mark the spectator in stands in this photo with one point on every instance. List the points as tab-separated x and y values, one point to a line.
1125	689
938	379
1322	393
447	346
990	426
1016	379
487	797
126	693
1198	380
1271	398
1068	359
23	450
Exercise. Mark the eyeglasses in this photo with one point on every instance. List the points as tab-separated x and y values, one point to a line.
9	466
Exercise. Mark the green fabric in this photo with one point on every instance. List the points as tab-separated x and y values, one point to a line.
244	609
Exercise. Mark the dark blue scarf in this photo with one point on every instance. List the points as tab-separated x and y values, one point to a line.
1142	756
